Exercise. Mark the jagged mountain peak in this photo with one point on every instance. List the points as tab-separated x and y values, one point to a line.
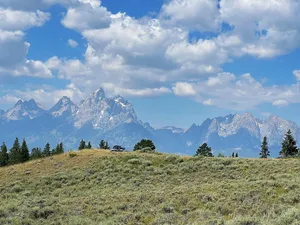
19	102
114	119
104	113
234	124
29	103
119	99
64	107
274	118
275	127
245	115
94	99
65	99
24	109
99	94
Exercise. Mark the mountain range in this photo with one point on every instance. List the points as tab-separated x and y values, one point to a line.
114	119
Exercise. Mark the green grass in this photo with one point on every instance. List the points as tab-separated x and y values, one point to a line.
99	187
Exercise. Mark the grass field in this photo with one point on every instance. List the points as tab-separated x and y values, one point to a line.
99	187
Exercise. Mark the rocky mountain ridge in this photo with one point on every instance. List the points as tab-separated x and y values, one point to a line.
114	119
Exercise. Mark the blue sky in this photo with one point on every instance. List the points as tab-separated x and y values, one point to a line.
177	61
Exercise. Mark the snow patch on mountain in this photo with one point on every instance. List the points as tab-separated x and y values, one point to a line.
274	128
104	113
246	121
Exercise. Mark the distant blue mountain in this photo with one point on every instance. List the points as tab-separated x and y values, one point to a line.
114	119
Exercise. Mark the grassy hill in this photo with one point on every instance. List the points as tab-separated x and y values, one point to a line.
99	187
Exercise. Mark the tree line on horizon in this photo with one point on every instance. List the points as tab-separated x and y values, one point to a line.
289	148
20	153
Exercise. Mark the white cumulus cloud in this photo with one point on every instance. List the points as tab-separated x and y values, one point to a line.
280	103
72	43
297	74
85	16
184	89
201	15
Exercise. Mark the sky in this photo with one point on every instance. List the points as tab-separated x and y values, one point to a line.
177	61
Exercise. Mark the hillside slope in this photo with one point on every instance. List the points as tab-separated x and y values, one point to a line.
99	187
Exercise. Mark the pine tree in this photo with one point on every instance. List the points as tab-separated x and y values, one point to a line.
61	148
89	146
144	144
236	155
4	155
56	150
264	149
220	155
289	146
232	155
36	153
106	146
24	152
82	145
102	144
47	151
15	153
204	150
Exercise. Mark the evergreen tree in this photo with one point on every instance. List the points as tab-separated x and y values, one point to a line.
25	156
89	146
204	150
106	146
289	146
264	149
82	145
36	153
47	151
220	155
236	155
232	155
56	150
144	144
3	155
15	153
102	144
61	148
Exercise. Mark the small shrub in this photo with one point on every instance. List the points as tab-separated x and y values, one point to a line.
44	213
72	154
146	150
179	160
290	217
172	158
17	189
220	155
227	162
3	213
168	209
147	163
134	161
244	221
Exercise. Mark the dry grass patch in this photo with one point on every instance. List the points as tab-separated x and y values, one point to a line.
101	187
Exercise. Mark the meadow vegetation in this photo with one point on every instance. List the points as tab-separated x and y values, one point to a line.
100	187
